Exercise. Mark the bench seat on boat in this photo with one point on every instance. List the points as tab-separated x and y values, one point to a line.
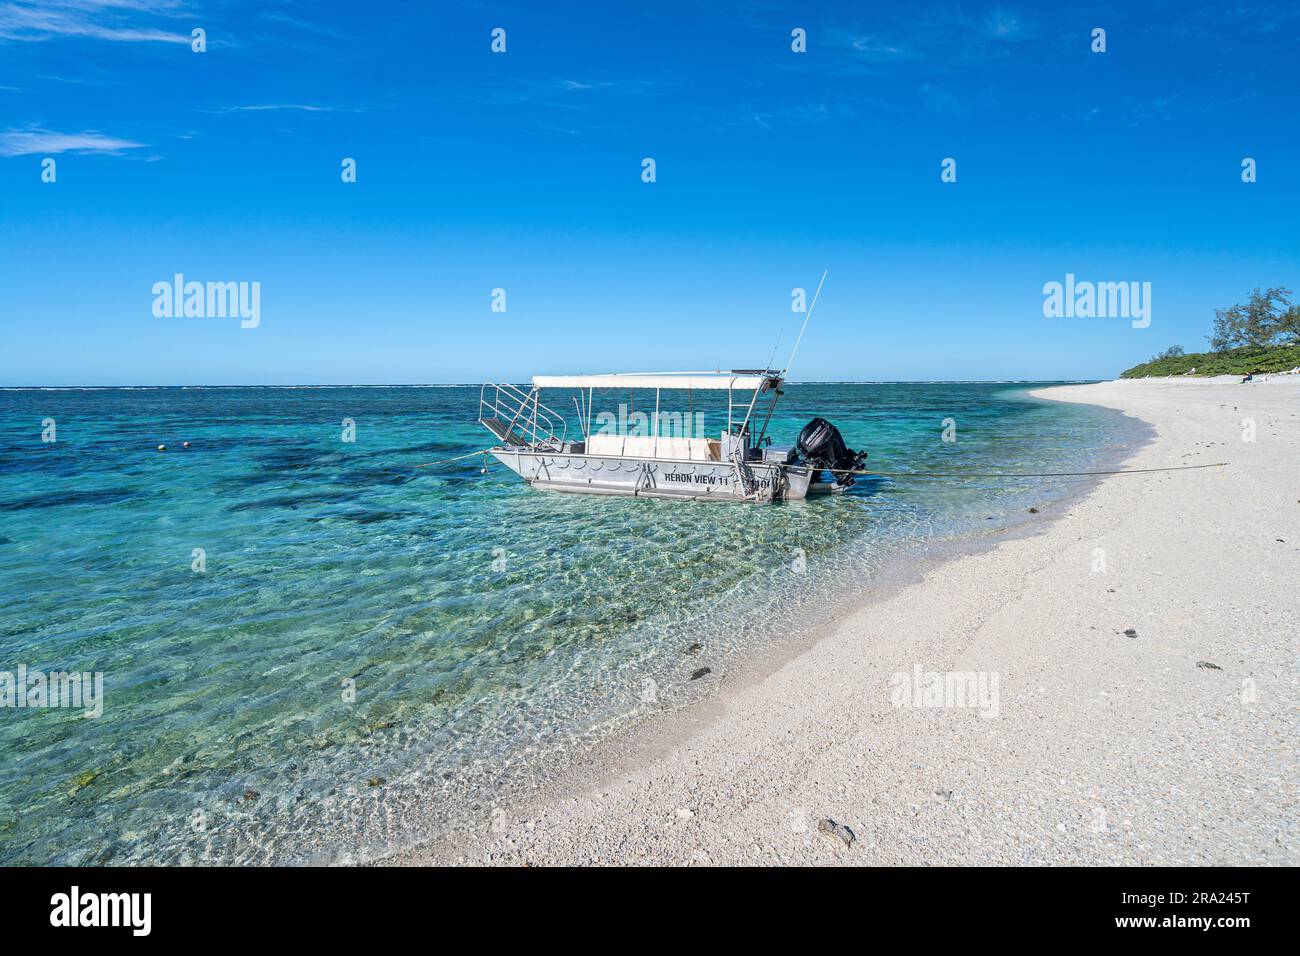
648	446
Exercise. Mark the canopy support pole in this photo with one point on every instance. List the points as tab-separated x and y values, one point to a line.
656	423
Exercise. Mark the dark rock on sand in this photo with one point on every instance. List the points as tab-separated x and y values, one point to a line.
836	833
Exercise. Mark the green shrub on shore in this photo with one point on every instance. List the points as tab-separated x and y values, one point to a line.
1262	335
1250	358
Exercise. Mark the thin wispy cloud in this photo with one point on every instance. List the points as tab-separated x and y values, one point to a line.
300	107
280	108
26	142
555	101
871	47
122	21
1151	109
568	93
1004	25
796	114
1209	21
303	25
941	101
950	38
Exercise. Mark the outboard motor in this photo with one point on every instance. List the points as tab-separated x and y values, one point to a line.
821	446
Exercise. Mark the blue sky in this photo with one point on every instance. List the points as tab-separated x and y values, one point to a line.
522	171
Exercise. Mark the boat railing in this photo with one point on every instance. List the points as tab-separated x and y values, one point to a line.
517	417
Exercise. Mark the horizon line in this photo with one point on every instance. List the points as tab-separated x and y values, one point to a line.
894	381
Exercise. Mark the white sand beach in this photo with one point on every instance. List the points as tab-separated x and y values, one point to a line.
1174	743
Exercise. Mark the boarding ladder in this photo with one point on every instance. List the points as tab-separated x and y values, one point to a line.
518	418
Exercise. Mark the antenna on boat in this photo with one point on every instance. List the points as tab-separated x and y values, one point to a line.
790	361
775	345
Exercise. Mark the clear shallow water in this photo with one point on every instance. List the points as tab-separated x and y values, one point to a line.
488	628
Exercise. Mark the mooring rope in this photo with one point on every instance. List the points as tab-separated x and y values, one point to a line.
447	461
1017	474
944	474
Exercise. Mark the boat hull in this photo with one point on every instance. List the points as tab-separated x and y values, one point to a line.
656	478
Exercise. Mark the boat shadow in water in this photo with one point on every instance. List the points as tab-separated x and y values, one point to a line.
868	486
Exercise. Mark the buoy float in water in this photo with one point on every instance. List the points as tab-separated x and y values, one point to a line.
185	444
162	447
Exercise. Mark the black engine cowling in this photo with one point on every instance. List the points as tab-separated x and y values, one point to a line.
820	445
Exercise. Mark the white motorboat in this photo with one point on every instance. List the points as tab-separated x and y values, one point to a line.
741	464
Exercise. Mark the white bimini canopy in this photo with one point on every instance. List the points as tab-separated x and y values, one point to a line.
720	381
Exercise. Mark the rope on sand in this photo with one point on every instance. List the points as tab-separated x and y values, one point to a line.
1018	474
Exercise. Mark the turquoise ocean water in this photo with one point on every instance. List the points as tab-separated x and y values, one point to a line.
373	651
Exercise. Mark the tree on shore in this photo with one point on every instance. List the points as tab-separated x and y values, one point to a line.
1268	318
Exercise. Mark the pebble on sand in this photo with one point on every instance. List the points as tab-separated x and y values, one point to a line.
836	833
